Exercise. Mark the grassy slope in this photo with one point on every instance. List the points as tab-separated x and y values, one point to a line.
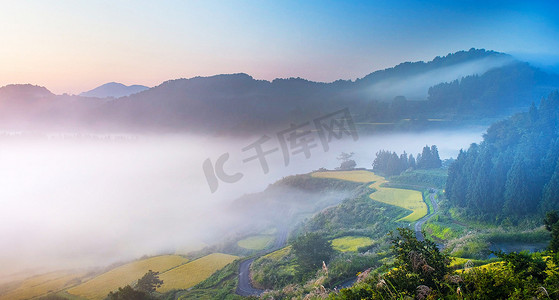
408	199
275	269
100	286
192	273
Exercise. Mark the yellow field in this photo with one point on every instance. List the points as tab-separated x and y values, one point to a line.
43	284
188	275
355	176
351	243
408	199
100	286
497	264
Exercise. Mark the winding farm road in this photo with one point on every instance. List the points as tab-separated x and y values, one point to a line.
419	224
244	287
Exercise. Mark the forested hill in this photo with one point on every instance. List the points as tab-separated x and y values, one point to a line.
514	171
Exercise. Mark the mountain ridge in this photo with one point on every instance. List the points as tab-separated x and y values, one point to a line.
404	97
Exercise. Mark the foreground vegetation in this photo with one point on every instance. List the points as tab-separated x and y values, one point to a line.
421	271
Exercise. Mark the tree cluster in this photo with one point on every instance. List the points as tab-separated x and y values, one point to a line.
429	158
346	162
514	171
311	250
390	163
142	291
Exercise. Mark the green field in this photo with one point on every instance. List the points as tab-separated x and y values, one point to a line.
100	286
257	242
408	199
190	274
351	243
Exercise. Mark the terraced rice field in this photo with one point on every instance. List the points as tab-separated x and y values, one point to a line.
408	199
177	272
100	286
190	274
355	176
43	284
351	243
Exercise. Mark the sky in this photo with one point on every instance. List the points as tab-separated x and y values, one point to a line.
71	46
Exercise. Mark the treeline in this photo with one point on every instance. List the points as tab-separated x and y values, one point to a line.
514	171
390	164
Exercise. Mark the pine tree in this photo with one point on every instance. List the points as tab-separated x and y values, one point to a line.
435	159
404	164
550	199
426	158
411	162
517	194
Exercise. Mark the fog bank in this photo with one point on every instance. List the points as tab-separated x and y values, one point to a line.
84	202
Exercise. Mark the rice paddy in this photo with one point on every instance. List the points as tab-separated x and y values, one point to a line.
351	243
408	199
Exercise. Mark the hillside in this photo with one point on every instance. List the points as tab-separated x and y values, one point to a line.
514	172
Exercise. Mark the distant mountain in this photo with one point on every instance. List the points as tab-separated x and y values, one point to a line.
24	91
467	87
114	90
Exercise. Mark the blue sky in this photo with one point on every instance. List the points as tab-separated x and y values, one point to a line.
72	46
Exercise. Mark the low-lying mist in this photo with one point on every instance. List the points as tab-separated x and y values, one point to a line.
75	202
416	87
